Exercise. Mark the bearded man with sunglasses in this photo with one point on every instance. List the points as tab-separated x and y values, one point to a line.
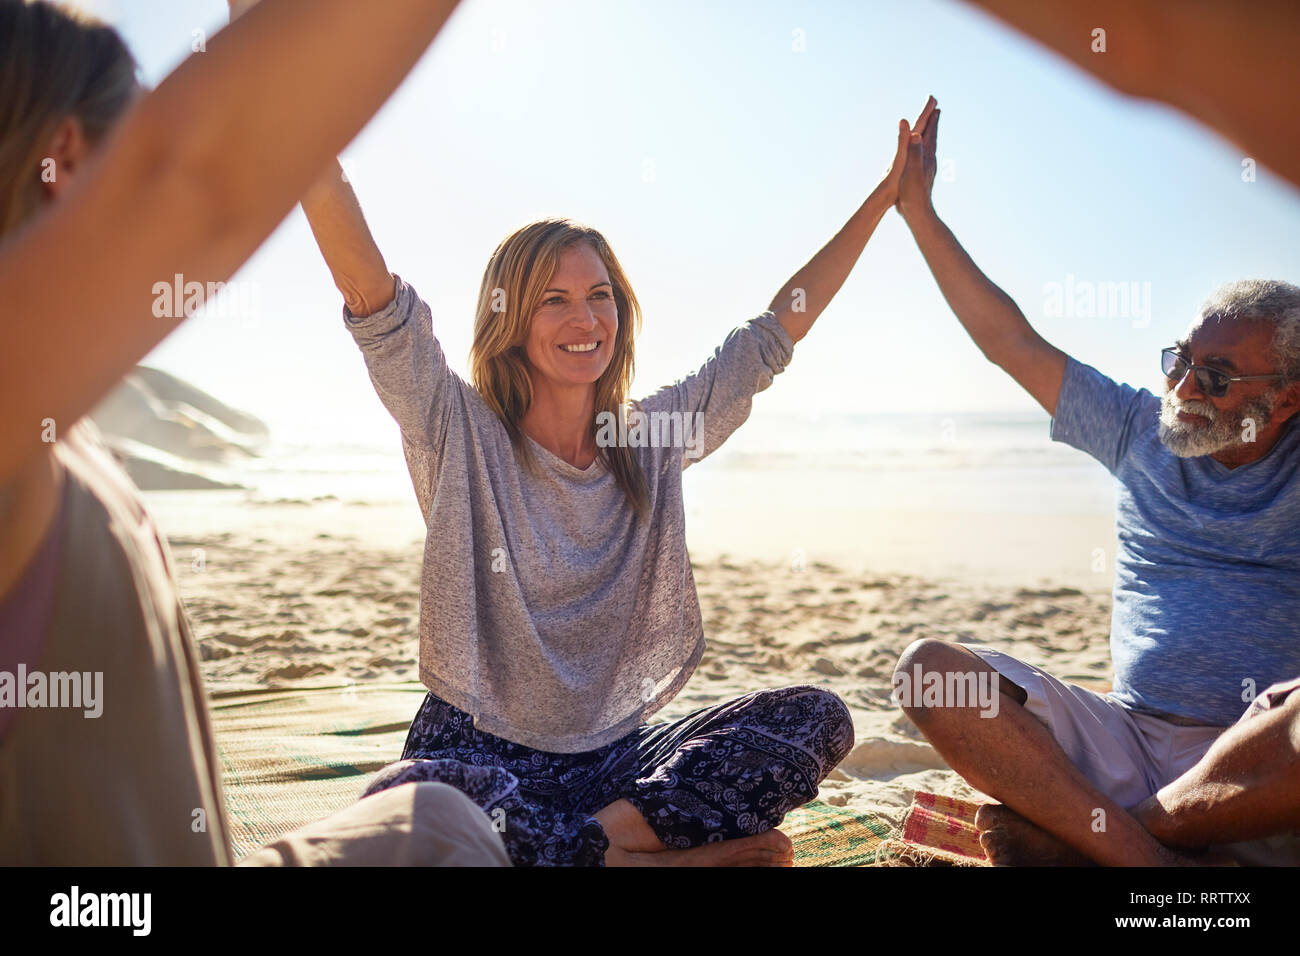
1206	620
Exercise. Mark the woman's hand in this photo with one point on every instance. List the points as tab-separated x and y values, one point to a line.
889	186
917	184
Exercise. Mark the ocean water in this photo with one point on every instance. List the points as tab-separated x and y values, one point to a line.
983	463
986	498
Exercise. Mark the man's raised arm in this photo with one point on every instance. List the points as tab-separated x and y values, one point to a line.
989	315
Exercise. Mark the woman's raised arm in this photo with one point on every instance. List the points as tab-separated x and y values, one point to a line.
390	323
191	182
350	252
810	290
712	402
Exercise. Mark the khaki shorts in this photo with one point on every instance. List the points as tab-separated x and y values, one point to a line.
416	824
1128	755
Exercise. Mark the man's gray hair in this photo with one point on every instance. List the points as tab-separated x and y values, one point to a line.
1270	300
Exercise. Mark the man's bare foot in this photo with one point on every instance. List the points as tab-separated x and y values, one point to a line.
1009	839
633	843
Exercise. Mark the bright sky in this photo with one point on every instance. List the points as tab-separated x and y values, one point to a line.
717	158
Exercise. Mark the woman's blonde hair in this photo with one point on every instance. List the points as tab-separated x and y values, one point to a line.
54	63
516	276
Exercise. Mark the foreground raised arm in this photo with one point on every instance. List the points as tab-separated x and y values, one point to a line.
195	177
991	316
341	232
1230	65
810	290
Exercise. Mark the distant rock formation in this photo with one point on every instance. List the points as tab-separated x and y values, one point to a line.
170	435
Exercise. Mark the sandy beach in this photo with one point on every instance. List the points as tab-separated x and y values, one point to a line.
325	593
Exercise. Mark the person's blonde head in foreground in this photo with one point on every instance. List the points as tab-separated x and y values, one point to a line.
65	80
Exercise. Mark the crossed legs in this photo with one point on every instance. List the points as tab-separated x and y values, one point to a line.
706	789
1246	786
1013	758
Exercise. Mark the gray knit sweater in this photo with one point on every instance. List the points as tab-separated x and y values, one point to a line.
548	610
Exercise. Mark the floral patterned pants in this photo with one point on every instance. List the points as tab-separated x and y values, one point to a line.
721	772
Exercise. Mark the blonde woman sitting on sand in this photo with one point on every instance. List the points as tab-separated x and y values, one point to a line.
558	610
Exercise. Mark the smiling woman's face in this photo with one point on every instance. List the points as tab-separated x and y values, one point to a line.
571	339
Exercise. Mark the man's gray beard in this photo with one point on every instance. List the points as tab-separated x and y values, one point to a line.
1222	433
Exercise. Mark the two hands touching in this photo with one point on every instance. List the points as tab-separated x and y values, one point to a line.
906	185
910	179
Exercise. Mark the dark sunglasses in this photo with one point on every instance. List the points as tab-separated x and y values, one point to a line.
1211	381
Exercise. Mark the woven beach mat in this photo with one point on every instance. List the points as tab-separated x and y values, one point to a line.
824	835
291	756
937	831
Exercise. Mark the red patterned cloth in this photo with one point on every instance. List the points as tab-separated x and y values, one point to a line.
942	829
